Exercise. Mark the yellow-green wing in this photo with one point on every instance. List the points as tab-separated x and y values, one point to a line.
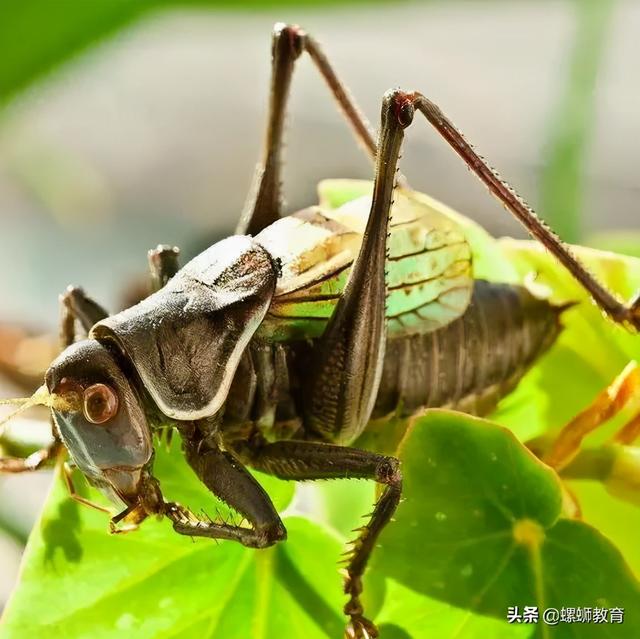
429	273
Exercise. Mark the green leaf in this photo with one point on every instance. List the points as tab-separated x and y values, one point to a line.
37	36
592	347
485	516
408	614
155	583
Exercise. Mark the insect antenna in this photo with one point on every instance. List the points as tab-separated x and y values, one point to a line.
23	404
41	397
10	416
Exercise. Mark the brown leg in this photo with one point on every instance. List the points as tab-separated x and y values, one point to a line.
289	42
67	476
33	462
299	460
163	265
76	305
132	516
129	519
345	373
226	478
623	313
347	359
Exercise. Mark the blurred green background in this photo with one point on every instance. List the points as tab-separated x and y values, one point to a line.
124	124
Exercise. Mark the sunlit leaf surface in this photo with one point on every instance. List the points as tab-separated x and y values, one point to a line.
485	518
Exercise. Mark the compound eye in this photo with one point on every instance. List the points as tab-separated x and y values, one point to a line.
99	403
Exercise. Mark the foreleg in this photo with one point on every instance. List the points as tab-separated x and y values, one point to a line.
226	478
77	306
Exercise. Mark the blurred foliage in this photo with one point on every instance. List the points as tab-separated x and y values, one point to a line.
571	122
38	35
625	242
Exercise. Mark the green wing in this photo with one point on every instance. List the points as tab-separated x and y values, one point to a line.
429	274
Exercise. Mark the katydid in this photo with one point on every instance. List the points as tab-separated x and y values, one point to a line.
274	348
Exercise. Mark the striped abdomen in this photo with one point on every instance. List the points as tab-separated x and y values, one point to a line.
474	361
470	364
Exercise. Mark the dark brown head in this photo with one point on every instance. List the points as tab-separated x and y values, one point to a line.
100	419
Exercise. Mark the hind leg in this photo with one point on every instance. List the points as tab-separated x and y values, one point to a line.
264	205
346	362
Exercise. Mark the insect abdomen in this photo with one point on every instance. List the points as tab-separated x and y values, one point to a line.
473	362
470	364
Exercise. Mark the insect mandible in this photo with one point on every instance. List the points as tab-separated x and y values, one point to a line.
274	348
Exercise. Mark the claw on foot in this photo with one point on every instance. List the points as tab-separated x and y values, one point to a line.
114	529
360	628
